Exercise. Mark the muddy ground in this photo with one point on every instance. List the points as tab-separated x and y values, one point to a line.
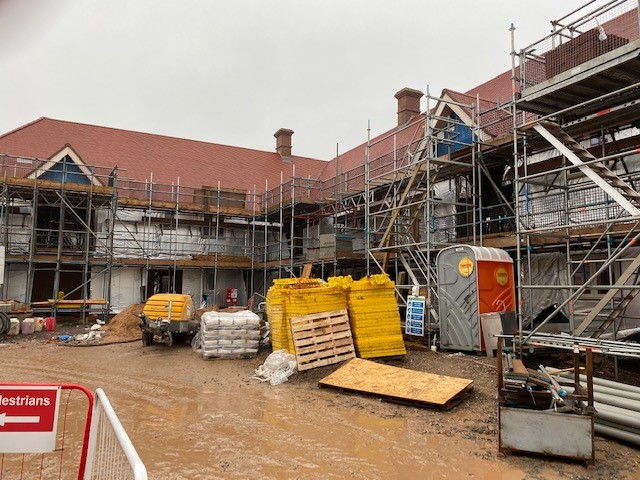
191	418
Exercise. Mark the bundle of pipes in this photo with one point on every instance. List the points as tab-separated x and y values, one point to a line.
617	405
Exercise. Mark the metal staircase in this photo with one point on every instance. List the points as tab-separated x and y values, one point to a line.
624	195
608	297
399	213
591	167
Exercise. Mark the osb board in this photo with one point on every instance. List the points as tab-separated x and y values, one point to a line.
399	384
322	339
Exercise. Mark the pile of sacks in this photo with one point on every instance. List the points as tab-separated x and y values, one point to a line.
229	335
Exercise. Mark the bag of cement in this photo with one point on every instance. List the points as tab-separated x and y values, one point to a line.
244	319
277	368
229	335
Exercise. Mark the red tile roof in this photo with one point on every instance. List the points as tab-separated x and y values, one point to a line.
200	163
138	154
380	153
498	89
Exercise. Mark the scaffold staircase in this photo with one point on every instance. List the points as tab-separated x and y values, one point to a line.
403	205
606	300
614	302
619	190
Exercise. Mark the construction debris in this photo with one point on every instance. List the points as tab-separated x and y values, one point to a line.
532	403
277	368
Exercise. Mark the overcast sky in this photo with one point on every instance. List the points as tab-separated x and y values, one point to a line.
234	72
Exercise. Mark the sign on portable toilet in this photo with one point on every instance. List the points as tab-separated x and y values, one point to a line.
28	418
471	281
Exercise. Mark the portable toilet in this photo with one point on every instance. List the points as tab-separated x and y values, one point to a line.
471	281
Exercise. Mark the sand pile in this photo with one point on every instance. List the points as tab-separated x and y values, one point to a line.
125	325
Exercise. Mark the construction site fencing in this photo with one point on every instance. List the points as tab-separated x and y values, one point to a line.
68	460
112	456
584	34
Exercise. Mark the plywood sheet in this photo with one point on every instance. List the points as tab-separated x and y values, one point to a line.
399	384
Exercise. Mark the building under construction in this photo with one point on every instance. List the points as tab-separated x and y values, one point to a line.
540	161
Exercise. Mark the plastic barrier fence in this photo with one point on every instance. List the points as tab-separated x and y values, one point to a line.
111	454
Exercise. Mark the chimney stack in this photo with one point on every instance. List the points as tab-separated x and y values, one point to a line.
283	142
408	104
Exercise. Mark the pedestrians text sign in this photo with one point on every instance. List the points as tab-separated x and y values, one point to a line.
28	418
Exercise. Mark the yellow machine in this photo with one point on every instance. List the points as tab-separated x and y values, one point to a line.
166	315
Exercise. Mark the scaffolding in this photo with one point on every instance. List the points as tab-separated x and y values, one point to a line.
550	175
576	170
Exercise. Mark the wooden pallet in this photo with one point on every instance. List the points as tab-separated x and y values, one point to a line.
322	339
399	384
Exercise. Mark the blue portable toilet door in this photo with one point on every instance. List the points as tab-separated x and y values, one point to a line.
458	300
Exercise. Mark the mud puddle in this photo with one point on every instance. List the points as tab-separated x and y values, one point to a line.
195	419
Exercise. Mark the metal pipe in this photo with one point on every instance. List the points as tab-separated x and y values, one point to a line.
625	403
617	426
606	390
619	415
617	433
609	383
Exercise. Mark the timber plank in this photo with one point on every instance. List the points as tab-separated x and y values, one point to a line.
322	331
317	347
399	384
332	337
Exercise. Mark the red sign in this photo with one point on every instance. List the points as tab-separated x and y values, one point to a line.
28	417
232	297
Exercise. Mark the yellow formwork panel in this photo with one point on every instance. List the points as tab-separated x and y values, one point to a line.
375	318
315	300
278	315
371	301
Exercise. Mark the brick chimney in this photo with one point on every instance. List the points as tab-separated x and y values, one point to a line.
283	142
408	104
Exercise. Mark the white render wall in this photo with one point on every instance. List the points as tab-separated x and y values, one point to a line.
125	286
16	278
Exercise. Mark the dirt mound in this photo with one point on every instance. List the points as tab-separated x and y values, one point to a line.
125	325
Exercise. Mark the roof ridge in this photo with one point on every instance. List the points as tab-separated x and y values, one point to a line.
23	126
172	137
473	97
